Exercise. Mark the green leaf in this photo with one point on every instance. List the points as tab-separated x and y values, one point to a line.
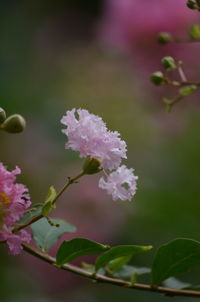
194	31
116	264
175	283
167	101
120	251
175	257
46	235
31	213
187	90
193	287
51	194
91	268
40	208
49	206
127	271
72	249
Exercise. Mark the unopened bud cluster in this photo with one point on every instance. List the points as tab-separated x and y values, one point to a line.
185	88
158	77
13	124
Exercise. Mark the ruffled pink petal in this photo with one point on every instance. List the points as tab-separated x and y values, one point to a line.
121	184
89	135
15	241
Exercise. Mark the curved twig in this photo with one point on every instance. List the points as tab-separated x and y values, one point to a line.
38	217
104	279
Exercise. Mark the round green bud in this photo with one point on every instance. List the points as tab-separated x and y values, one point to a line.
192	4
2	115
14	124
168	63
164	38
157	78
92	165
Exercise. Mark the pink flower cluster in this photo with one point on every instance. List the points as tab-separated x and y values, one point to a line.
121	184
88	134
14	200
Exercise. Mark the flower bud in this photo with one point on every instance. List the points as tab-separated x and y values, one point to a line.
2	115
157	78
14	124
168	63
192	4
164	38
91	165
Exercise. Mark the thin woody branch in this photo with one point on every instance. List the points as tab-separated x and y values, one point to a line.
104	279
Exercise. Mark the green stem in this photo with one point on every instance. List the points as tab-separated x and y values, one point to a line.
36	218
189	83
175	101
70	182
179	97
182	74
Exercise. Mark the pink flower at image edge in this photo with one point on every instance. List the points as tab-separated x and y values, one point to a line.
14	201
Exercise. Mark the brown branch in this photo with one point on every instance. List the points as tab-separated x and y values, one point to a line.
179	97
104	279
24	225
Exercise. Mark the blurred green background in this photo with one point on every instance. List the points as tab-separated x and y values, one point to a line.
53	57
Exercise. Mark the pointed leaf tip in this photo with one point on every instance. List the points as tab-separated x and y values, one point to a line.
175	257
72	249
126	251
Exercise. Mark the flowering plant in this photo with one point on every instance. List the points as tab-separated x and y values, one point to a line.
29	227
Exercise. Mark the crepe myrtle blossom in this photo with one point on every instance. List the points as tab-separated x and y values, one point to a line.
88	134
121	184
14	200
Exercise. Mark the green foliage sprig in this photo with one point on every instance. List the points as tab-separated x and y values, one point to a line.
184	87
